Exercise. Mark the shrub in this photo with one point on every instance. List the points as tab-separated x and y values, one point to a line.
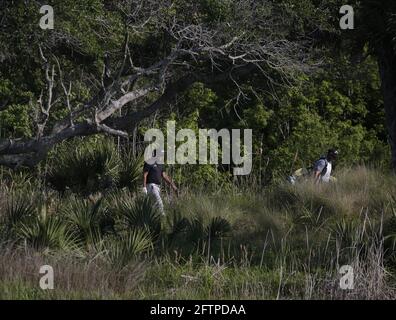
85	166
87	221
121	251
139	213
45	233
18	208
130	175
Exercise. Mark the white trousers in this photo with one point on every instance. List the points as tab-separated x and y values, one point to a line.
154	190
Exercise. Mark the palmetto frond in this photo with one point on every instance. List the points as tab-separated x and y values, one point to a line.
43	233
217	228
87	221
131	170
140	213
86	168
18	208
120	251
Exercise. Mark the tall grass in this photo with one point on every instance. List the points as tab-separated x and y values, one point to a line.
278	243
74	277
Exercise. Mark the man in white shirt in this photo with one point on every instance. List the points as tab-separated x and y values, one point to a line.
322	168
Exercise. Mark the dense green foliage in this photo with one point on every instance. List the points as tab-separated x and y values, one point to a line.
222	236
339	103
93	165
340	107
238	245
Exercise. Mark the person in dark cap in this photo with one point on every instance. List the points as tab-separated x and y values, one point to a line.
323	166
153	174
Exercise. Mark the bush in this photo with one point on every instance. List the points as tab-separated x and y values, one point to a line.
121	251
92	165
46	233
130	175
85	166
139	213
87	221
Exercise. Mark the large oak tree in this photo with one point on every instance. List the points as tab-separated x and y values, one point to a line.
109	64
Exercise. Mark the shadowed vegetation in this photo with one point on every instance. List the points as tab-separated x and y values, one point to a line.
286	242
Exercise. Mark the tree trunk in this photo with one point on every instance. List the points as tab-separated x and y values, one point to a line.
387	67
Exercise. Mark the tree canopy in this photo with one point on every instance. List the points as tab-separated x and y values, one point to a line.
283	68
